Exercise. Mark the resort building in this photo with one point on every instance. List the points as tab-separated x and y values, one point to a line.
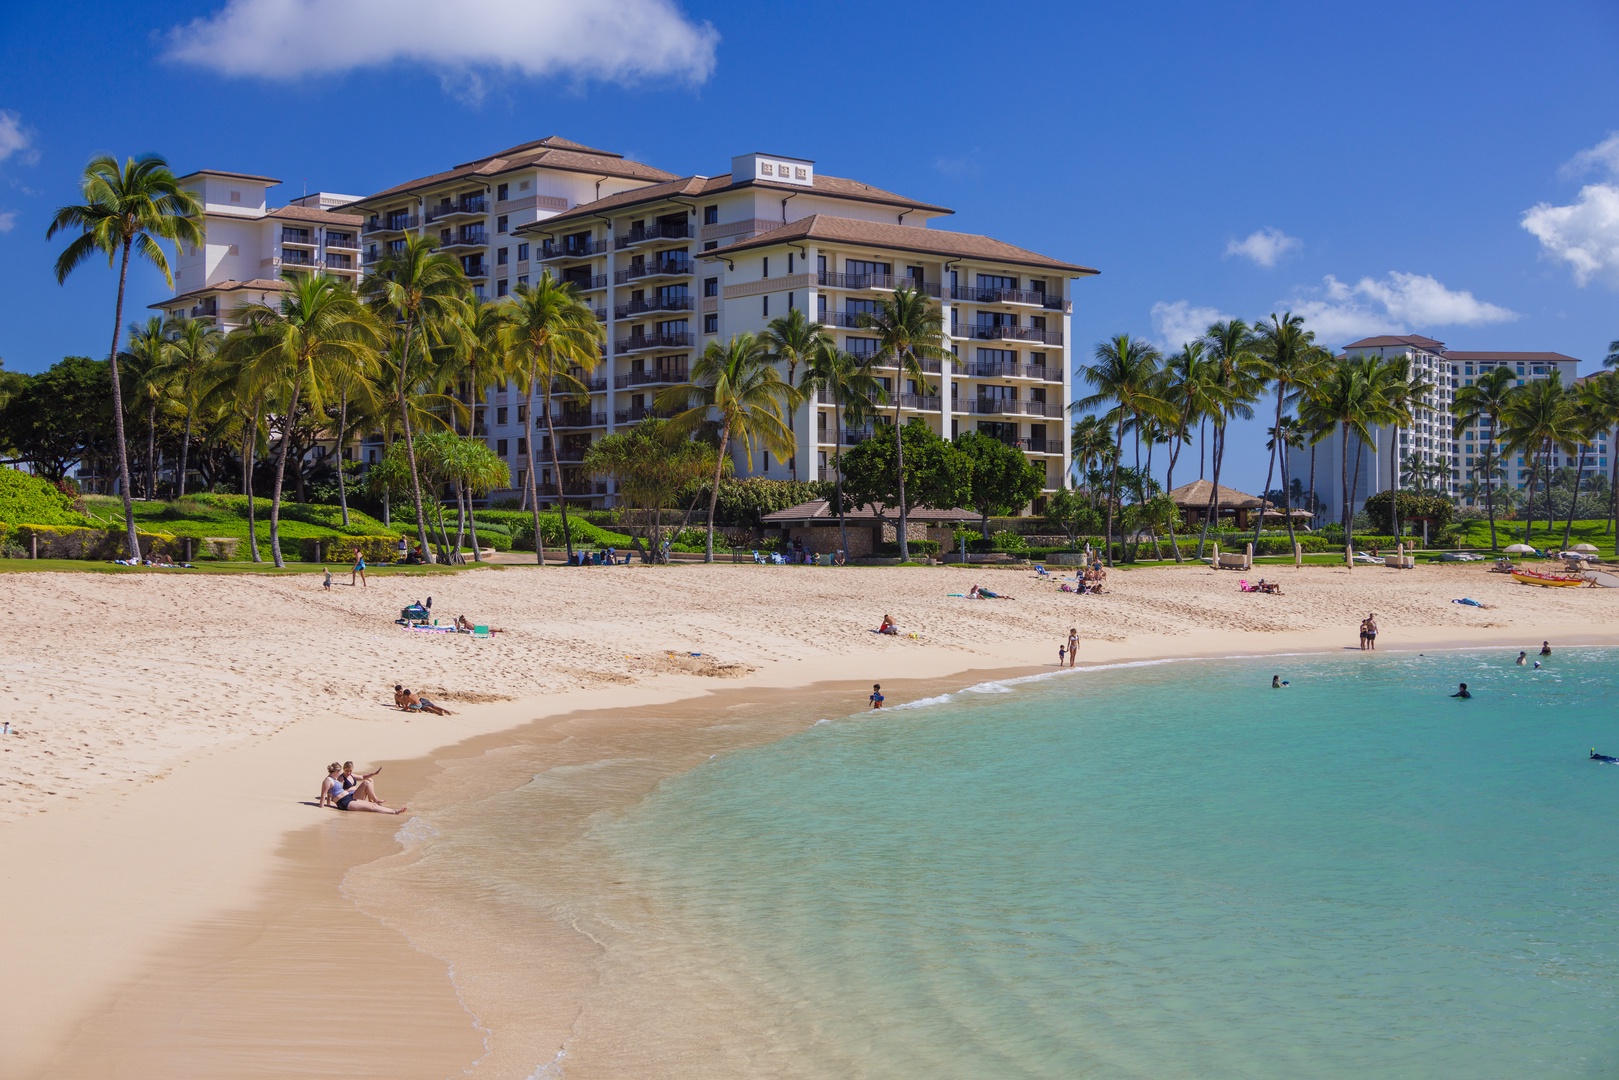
250	249
1430	443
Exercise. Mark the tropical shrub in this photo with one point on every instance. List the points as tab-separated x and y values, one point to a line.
32	500
1007	540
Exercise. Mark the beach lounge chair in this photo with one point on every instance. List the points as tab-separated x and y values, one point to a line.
480	631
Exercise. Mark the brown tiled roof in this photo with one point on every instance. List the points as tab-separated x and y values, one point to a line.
232	176
1388	341
228	285
548	153
343	218
824	227
553	142
820	511
1510	356
835	186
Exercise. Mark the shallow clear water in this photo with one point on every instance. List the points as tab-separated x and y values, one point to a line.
1154	871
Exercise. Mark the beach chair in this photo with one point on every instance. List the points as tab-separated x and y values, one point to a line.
480	631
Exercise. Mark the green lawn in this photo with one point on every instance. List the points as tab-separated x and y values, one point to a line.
339	573
1477	534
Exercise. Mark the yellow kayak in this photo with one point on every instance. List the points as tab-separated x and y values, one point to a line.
1548	581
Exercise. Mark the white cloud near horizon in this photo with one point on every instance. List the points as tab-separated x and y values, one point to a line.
1584	233
1395	304
15	138
8	220
1264	246
1177	322
623	42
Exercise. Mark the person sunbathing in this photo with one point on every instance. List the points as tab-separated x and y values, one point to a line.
416	703
333	793
360	786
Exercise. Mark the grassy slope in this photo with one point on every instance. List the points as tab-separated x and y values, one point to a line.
1511	532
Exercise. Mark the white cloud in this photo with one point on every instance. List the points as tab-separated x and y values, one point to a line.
1264	246
15	138
623	41
1398	303
1178	322
8	220
1585	233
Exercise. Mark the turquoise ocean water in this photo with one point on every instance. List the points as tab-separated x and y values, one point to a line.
1164	870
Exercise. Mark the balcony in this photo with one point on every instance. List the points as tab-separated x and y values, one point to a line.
208	309
591	385
392	223
474	267
994	369
1007	332
585	282
570	418
887	282
335	261
1006	407
644	342
301	237
466	207
668	376
573	249
851	320
468	237
680	267
573	489
636	415
346	241
656	303
297	258
650	233
929	367
973	294
851	436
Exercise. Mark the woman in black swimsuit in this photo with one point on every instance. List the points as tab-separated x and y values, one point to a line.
333	793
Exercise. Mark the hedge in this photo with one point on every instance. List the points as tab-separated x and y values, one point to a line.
32	500
376	549
80	542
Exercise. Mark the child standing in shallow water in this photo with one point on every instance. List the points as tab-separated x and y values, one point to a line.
876	695
1062	655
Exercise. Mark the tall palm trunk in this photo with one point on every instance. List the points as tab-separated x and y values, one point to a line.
714	492
1343	511
556	472
1211	513
1489	482
460	518
899	465
837	463
410	441
534	479
1112	489
1579	477
185	457
151	451
1287	504
342	430
250	450
1175	447
280	471
118	409
1270	470
792	463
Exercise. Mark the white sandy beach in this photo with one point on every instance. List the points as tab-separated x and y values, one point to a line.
169	728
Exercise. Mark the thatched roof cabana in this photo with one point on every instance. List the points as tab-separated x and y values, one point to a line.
1193	500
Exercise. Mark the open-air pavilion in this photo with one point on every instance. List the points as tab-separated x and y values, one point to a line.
1193	501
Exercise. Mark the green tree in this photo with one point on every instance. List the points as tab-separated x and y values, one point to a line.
1003	480
909	329
1188	386
1601	396
1071	512
187	365
553	335
60	416
936	473
1289	358
142	361
736	387
126	211
1238	383
423	292
649	464
1484	400
1093	448
1125	376
855	392
318	327
1343	396
1538	416
1612	359
794	340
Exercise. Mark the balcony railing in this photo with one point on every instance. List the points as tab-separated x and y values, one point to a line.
986	332
655	231
654	268
570	418
1006	407
392	223
656	303
207	309
995	369
339	262
297	258
572	489
585	282
930	367
298	236
347	241
637	342
974	294
592	385
474	268
876	281
650	378
478	237
475	204
636	415
920	402
850	319
573	249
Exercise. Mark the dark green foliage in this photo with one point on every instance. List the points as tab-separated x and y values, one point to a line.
1003	479
744	503
60	416
33	500
937	474
1073	515
1437	510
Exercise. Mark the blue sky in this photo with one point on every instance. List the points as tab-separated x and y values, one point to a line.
1443	168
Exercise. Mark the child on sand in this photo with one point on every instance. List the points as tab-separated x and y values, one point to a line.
1062	655
327	584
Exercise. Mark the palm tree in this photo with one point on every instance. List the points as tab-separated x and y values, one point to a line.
855	394
1092	444
1289	434
1403	393
126	210
318	327
1125	374
553	333
482	344
909	329
1601	395
1537	416
1590	418
794	340
1238	380
1612	359
143	361
1344	396
188	363
357	399
422	291
1289	357
1484	400
736	386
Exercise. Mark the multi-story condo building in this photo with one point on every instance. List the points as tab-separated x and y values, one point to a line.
249	249
1430	440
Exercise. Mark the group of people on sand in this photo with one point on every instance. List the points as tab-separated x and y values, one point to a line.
346	791
1067	654
1368	633
410	701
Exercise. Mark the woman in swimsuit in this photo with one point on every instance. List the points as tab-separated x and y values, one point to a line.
359	567
1073	644
333	793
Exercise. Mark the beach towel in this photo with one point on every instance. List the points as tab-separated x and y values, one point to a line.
1469	601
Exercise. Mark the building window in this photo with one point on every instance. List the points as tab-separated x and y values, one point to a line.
789	295
711	215
501	191
500	415
789	262
500	287
522	279
766	299
500	256
861	346
710	245
500	224
766	264
236	196
522	252
522	185
711	324
711	286
522	413
501	447
522	445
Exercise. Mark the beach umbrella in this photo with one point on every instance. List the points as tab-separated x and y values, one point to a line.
1583	547
1518	549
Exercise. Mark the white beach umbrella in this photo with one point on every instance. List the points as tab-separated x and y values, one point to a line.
1517	549
1583	547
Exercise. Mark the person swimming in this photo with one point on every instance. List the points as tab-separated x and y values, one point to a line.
1523	658
1609	758
1277	682
1462	693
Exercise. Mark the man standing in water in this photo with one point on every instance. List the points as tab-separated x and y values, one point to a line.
1371	631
